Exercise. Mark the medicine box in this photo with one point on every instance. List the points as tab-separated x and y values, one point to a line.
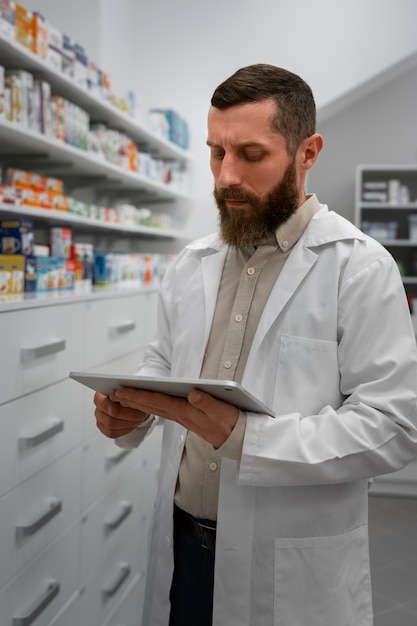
12	273
61	239
30	274
103	269
7	18
16	237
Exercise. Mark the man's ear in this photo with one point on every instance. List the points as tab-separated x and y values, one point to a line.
309	150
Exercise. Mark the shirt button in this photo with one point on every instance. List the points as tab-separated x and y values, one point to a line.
228	365
213	467
167	542
238	318
251	271
285	244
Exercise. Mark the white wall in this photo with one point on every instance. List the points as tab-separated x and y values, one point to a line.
175	53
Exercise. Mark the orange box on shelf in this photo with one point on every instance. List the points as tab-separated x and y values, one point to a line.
45	200
22	179
54	186
40	36
29	197
24	26
60	203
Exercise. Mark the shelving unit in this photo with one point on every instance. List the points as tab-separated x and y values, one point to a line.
76	509
83	172
386	216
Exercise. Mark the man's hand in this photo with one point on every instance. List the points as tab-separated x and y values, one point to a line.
211	419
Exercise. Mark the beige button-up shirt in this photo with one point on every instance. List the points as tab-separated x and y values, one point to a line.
247	280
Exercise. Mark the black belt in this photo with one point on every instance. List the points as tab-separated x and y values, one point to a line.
203	530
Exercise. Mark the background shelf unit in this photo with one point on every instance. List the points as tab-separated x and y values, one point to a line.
86	176
374	216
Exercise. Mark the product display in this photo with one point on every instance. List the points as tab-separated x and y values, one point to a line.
386	209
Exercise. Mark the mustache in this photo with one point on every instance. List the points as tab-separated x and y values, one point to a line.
224	194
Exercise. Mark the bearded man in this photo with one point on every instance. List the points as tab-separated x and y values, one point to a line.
261	520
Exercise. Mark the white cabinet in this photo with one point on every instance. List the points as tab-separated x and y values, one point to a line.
386	209
75	508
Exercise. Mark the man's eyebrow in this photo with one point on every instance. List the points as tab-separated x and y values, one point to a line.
249	144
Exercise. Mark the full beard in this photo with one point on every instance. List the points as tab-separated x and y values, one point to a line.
249	227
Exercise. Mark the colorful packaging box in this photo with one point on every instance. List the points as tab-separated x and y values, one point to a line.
17	237
12	272
61	240
103	269
7	18
30	274
39	35
42	274
24	26
20	84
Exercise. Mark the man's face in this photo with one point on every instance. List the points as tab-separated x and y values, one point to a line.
256	187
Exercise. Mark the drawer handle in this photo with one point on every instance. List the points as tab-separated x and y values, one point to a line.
113	587
27	354
117	458
36	440
28	618
126	509
26	530
123	327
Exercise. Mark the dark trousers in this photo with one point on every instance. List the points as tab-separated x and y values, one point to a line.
192	584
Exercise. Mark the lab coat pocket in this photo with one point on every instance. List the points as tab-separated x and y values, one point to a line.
310	366
323	581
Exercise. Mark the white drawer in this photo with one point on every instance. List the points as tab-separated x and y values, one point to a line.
114	327
38	429
104	464
70	614
129	611
108	585
45	586
39	347
112	522
36	512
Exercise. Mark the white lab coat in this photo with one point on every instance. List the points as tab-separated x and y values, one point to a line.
335	356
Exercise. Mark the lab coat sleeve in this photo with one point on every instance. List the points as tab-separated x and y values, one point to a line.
374	431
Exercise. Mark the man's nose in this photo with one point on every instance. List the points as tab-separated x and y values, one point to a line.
229	174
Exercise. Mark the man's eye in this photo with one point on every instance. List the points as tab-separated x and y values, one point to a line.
217	154
253	156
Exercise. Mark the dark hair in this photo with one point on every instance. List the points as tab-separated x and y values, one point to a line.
296	109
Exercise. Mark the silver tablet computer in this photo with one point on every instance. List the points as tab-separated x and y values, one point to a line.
226	390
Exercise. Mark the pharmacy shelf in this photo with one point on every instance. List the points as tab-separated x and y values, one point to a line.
22	147
63	218
15	56
404	247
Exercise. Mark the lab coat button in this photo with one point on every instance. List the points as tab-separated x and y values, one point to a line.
228	365
167	542
285	243
213	466
251	271
238	318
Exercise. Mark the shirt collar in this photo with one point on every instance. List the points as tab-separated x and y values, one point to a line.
289	233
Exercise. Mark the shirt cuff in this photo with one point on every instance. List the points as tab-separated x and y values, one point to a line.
136	436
